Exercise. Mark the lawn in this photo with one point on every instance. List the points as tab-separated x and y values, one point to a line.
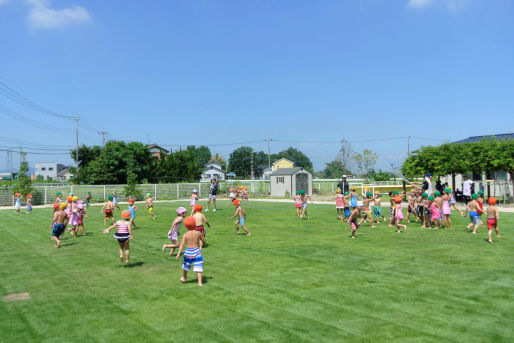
292	281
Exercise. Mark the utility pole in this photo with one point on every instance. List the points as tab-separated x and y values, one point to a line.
10	161
251	166
408	145
269	154
103	133
76	143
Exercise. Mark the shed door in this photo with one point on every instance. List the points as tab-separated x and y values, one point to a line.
302	182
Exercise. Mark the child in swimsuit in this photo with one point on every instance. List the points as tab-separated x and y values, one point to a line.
304	197
399	214
492	218
132	209
194	200
29	203
435	214
446	208
174	231
339	204
17	202
193	253
200	220
107	210
298	203
124	234
241	214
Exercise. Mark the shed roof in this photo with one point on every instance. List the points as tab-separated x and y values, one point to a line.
287	171
473	139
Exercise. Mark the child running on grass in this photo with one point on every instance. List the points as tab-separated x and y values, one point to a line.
298	203
435	214
439	208
58	224
241	214
245	194
304	197
174	231
124	234
193	201
492	218
377	208
132	209
149	205
82	214
355	219
58	199
340	204
193	240
17	202
347	211
453	202
411	207
200	220
115	200
366	208
399	214
107	209
446	208
480	202
89	198
29	204
472	208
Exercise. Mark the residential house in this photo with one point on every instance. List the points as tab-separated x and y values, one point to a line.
282	163
213	170
48	170
156	150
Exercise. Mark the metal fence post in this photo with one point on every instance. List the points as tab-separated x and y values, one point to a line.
155	191
45	195
104	192
178	196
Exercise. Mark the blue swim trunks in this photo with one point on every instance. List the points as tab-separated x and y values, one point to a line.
242	221
193	256
58	230
474	218
347	212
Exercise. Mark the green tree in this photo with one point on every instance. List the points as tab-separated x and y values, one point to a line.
381	175
334	170
240	160
344	156
216	158
202	154
23	185
365	161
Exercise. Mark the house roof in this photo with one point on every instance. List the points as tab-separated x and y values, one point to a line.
479	138
287	171
155	146
213	166
283	159
64	171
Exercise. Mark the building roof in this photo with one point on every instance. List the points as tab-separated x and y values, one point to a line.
287	171
64	171
213	165
155	146
283	159
474	139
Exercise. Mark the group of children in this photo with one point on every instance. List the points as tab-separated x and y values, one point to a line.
433	211
17	203
238	192
67	212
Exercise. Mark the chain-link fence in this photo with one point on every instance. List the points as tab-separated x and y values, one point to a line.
43	194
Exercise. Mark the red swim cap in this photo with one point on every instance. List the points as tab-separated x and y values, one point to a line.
198	208
491	201
236	202
397	200
190	222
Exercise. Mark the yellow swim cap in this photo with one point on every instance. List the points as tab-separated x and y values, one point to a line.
62	206
75	198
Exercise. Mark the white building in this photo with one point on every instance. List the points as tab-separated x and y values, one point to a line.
48	170
64	175
213	171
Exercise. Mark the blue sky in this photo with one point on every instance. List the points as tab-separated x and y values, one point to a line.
214	72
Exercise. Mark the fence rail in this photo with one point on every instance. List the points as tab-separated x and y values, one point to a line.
43	194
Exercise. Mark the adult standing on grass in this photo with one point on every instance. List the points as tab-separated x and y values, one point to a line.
467	189
427	184
213	191
343	185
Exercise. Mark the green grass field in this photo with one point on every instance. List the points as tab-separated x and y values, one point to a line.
292	281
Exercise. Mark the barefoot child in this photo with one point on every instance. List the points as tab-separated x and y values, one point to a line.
29	203
377	208
241	214
89	198
446	208
298	203
304	197
340	204
438	201
200	220
58	224
347	211
107	210
355	219
124	234
366	208
149	205
399	214
435	214
411	207
58	200
82	214
115	200
193	240
132	209
245	194
174	231
492	218
17	202
193	201
472	208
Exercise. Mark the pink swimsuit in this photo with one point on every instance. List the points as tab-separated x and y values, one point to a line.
340	201
297	202
399	212
446	207
434	211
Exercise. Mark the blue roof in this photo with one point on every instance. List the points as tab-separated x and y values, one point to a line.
474	139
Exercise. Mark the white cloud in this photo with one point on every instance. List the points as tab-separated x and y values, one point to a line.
41	15
452	5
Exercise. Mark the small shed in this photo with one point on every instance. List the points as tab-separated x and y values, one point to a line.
286	181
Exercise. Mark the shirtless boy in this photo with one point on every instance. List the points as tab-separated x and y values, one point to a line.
58	224
472	208
193	240
492	218
377	208
199	221
366	205
107	209
149	205
241	214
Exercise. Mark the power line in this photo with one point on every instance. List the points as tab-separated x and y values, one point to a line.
28	121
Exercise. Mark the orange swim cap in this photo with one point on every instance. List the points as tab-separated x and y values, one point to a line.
491	201
190	222
236	202
198	208
125	214
131	201
69	199
56	206
29	196
397	200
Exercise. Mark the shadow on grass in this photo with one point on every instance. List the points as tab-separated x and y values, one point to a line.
205	279
132	265
68	244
